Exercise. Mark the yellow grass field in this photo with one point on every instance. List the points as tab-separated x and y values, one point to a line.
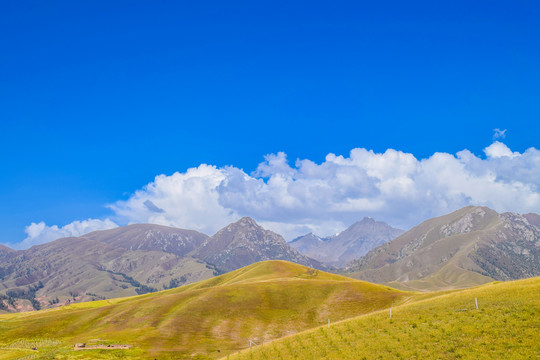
205	320
505	326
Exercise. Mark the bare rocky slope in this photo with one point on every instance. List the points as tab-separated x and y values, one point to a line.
471	246
125	261
245	242
130	260
5	251
348	245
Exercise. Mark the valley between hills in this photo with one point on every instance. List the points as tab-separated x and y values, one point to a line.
247	293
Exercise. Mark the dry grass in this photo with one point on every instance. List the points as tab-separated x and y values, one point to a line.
208	319
506	326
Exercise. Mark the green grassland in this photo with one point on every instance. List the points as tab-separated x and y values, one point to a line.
429	326
208	319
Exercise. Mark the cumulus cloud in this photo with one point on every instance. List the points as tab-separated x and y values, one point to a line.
498	150
187	200
39	233
323	198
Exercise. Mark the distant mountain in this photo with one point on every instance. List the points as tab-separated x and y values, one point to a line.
245	242
468	247
307	244
350	244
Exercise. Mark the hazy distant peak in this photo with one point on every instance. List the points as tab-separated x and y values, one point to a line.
350	244
310	236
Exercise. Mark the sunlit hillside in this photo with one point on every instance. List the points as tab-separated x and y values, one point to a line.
209	319
506	325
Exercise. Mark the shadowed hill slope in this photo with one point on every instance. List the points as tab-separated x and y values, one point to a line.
208	319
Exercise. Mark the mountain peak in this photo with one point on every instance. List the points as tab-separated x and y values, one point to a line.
246	220
350	244
245	242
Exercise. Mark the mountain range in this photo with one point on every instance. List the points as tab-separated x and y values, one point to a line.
468	247
348	245
129	260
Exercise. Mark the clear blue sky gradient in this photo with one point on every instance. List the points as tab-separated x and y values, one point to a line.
98	97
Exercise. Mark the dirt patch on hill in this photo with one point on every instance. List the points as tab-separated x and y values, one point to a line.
83	346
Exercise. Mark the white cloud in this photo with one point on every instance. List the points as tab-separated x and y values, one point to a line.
498	133
39	233
325	198
187	200
498	150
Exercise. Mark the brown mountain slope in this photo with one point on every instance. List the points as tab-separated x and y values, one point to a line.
104	264
245	242
5	251
532	218
151	237
471	246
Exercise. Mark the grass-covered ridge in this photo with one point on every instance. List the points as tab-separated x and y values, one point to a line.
506	326
208	319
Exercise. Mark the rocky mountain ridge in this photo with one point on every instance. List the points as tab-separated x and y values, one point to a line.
471	246
245	242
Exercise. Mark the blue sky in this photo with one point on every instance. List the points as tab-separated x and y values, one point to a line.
98	98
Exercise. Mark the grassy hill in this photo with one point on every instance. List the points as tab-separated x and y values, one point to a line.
208	319
435	326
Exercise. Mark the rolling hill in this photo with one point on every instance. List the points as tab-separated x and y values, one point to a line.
445	326
208	319
468	247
